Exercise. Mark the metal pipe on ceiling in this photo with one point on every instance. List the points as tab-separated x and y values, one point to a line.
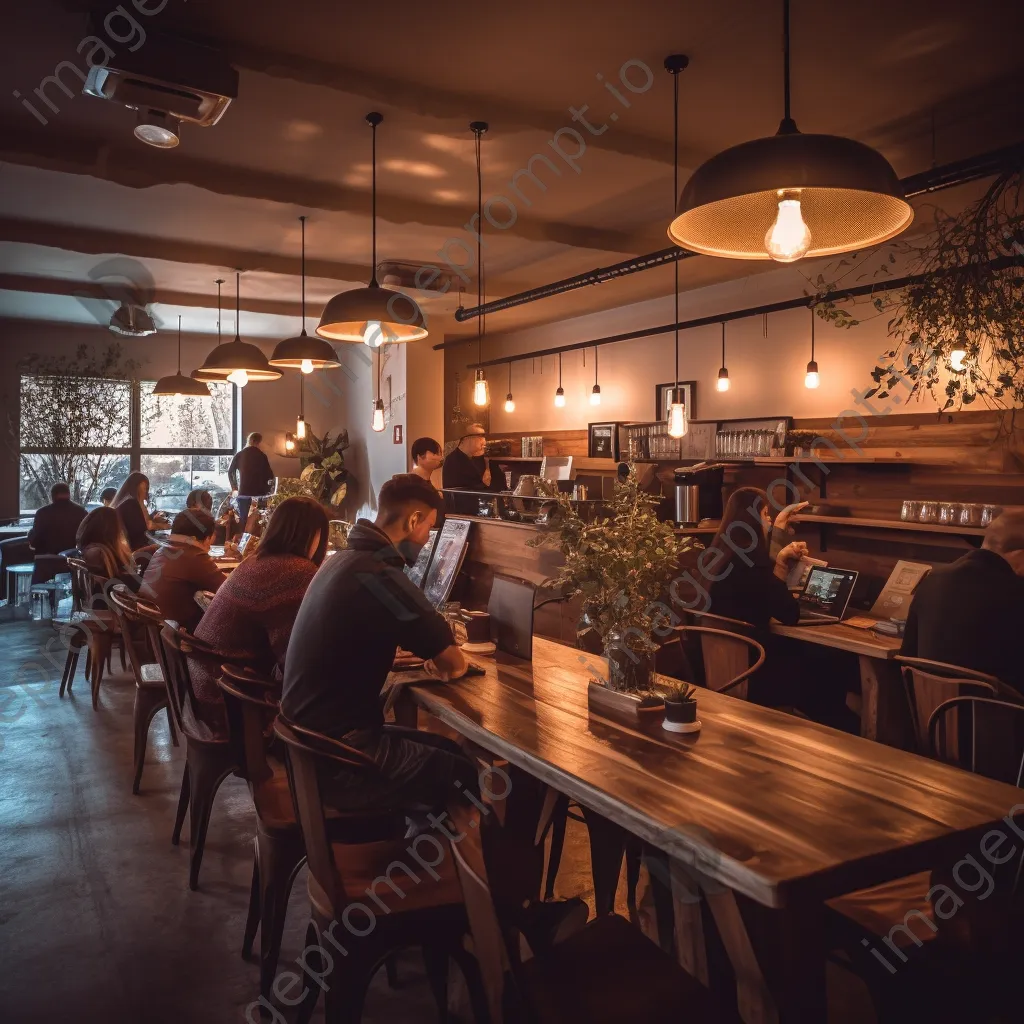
959	172
805	301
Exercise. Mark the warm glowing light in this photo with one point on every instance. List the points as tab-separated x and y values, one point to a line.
812	380
560	398
373	334
723	379
300	428
289	443
595	395
956	358
378	415
788	238
481	392
677	425
307	366
510	405
239	377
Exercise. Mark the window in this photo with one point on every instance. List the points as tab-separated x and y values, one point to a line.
92	432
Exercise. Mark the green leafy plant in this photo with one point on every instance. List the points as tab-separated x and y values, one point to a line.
680	693
324	471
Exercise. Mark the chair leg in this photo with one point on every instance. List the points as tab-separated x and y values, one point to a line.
252	921
558	823
634	855
435	959
120	649
279	856
102	648
209	767
70	667
147	704
607	845
313	941
183	800
170	724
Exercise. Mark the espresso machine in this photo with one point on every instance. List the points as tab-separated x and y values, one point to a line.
698	493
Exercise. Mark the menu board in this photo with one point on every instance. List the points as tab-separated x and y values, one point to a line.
449	551
894	600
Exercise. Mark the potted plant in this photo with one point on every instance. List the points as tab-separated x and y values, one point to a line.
798	442
620	563
680	708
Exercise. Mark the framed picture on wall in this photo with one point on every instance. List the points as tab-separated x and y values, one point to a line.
662	394
603	440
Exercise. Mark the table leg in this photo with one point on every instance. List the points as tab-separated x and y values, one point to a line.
885	714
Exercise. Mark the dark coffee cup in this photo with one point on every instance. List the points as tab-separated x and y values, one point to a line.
478	627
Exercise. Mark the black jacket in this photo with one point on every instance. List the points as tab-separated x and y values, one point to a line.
251	468
55	527
970	613
463	473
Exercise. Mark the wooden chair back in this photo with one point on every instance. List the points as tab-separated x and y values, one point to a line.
154	622
124	605
996	747
81	585
930	683
730	656
179	647
309	754
249	702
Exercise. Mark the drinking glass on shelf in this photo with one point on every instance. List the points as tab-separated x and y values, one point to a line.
910	511
970	515
928	512
988	513
947	513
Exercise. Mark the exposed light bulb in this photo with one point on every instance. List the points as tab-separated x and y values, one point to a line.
289	443
723	379
560	398
373	334
300	428
307	366
378	415
481	392
677	425
595	395
239	377
812	380
510	405
788	238
956	358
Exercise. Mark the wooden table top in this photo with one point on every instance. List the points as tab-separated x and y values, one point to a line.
864	642
770	805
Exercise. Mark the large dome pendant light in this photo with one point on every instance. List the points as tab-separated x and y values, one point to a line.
372	315
178	383
238	361
790	195
677	425
200	374
481	390
303	352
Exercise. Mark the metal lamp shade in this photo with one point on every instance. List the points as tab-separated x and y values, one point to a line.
238	355
179	384
347	314
850	197
293	352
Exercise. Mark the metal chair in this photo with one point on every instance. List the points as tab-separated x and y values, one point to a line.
730	653
94	626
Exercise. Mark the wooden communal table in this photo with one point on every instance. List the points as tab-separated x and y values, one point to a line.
759	804
885	714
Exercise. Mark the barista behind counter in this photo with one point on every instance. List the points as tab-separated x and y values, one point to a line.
466	469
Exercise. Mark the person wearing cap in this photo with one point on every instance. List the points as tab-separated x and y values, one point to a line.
467	469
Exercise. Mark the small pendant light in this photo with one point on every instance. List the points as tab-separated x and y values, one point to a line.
178	383
303	352
559	391
812	380
723	373
372	315
481	391
200	374
510	405
377	423
595	392
238	361
956	359
677	425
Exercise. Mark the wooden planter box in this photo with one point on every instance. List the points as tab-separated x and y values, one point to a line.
602	700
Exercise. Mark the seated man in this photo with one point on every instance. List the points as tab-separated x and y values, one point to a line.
426	457
969	612
359	609
182	567
56	525
200	498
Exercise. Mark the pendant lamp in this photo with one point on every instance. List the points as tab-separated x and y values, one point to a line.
304	353
510	403
178	383
238	361
723	373
372	314
481	390
677	425
200	374
559	391
812	378
377	423
595	393
790	195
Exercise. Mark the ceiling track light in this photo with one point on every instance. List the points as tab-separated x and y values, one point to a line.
812	379
595	391
178	383
790	195
481	392
677	424
372	315
559	391
304	353
510	404
238	361
723	373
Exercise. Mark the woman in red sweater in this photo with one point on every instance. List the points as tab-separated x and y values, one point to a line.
252	615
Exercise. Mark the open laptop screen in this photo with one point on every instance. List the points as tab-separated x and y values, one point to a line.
511	611
828	590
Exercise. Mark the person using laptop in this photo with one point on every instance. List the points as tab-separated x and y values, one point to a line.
969	613
359	609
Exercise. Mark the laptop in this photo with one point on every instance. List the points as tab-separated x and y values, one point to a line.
826	595
511	610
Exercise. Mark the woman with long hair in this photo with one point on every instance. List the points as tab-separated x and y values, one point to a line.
104	547
130	503
252	615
